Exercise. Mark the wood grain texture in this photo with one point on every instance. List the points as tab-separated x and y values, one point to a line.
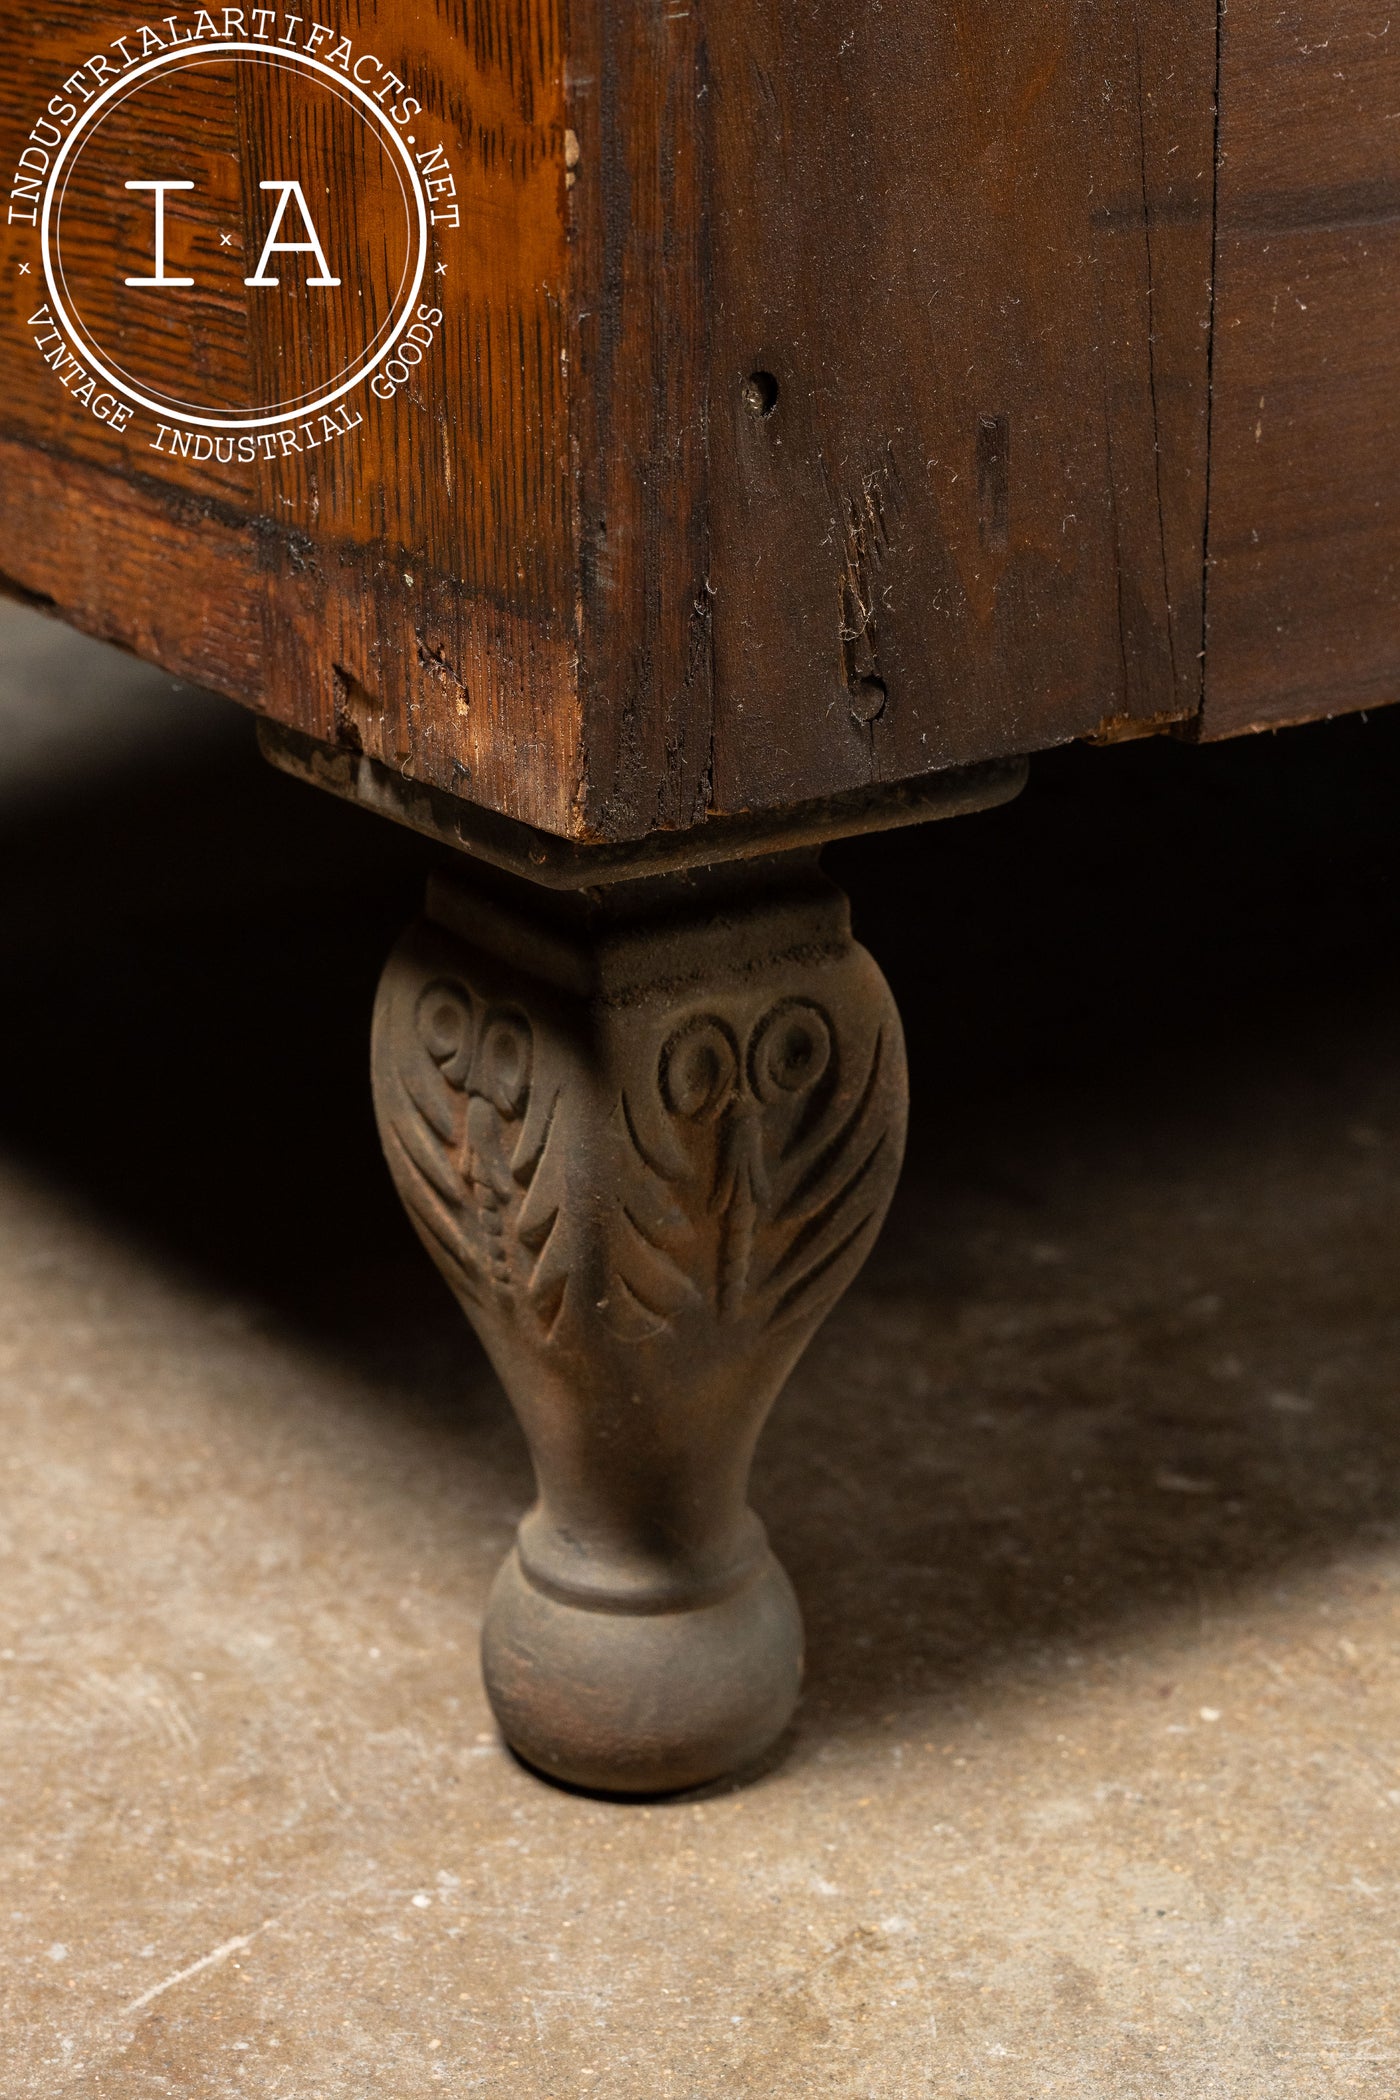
813	402
123	562
410	587
1304	580
573	573
638	106
972	247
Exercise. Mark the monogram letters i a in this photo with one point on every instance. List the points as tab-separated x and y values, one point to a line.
162	280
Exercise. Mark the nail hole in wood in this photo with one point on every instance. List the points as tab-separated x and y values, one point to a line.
759	393
868	697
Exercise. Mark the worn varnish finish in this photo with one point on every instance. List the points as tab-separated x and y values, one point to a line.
1304	591
817	402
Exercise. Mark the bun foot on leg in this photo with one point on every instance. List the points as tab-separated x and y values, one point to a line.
642	1702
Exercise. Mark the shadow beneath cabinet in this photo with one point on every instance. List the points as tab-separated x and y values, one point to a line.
1132	1336
190	953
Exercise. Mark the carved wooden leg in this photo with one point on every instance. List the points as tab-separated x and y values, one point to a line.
648	1135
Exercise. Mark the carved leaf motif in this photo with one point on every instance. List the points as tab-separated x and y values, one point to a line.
468	1135
743	1179
831	1194
759	1173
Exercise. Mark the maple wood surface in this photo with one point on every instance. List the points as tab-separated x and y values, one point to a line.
813	402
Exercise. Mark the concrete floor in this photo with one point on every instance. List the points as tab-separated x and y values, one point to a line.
1091	1489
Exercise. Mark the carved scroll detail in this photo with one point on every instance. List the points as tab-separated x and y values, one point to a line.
468	1139
766	1171
746	1189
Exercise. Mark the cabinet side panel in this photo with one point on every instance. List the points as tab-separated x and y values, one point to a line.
962	262
1303	590
405	578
